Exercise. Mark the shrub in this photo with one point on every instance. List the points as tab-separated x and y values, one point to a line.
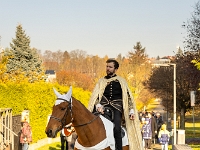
38	98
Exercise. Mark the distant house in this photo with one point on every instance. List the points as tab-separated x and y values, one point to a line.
51	75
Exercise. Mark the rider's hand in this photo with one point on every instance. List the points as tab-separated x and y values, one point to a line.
131	116
101	110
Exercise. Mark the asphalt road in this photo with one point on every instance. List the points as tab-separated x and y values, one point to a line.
157	106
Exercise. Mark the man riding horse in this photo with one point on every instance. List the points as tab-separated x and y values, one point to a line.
112	91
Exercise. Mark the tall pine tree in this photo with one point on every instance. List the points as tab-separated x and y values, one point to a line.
23	58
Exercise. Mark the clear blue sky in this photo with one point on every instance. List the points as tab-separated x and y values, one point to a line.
99	27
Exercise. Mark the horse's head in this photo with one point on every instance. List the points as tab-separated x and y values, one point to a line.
61	114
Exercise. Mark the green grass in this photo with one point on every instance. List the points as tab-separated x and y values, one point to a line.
194	147
192	132
53	146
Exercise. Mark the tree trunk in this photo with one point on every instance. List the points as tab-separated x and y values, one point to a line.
182	119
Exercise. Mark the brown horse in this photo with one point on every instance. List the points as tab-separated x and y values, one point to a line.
89	127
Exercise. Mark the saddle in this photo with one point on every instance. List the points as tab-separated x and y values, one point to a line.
109	114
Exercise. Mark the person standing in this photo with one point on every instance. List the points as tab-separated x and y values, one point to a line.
163	137
71	140
153	124
147	134
159	122
68	137
141	125
63	141
26	135
112	91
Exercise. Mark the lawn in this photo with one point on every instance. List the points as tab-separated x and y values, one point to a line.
192	132
194	147
192	135
53	146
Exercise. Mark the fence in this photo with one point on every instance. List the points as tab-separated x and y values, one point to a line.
6	133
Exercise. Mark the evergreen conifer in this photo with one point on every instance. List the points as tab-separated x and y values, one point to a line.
23	58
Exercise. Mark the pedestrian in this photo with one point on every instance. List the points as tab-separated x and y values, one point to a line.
63	141
112	91
26	135
68	137
163	137
159	122
147	134
144	113
153	124
140	116
141	125
71	140
153	113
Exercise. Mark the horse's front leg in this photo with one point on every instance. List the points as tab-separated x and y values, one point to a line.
125	147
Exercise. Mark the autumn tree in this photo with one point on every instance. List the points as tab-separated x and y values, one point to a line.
192	27
136	69
23	58
65	61
47	56
138	56
3	69
187	79
77	58
161	84
58	57
72	78
75	67
53	60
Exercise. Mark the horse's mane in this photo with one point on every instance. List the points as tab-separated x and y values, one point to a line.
79	102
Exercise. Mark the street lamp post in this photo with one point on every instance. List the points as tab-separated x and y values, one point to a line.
174	103
174	65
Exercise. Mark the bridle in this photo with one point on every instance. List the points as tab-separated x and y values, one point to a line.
63	120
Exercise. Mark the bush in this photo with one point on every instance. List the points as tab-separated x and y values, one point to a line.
38	98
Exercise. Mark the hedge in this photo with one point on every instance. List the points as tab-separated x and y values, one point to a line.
38	98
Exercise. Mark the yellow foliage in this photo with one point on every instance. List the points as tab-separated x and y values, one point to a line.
37	97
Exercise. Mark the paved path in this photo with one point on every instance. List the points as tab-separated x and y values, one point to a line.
157	106
156	147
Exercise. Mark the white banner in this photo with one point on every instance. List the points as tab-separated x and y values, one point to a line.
192	98
25	116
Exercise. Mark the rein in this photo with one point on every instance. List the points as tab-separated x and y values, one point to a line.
87	122
65	115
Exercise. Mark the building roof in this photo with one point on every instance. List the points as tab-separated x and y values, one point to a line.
49	72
